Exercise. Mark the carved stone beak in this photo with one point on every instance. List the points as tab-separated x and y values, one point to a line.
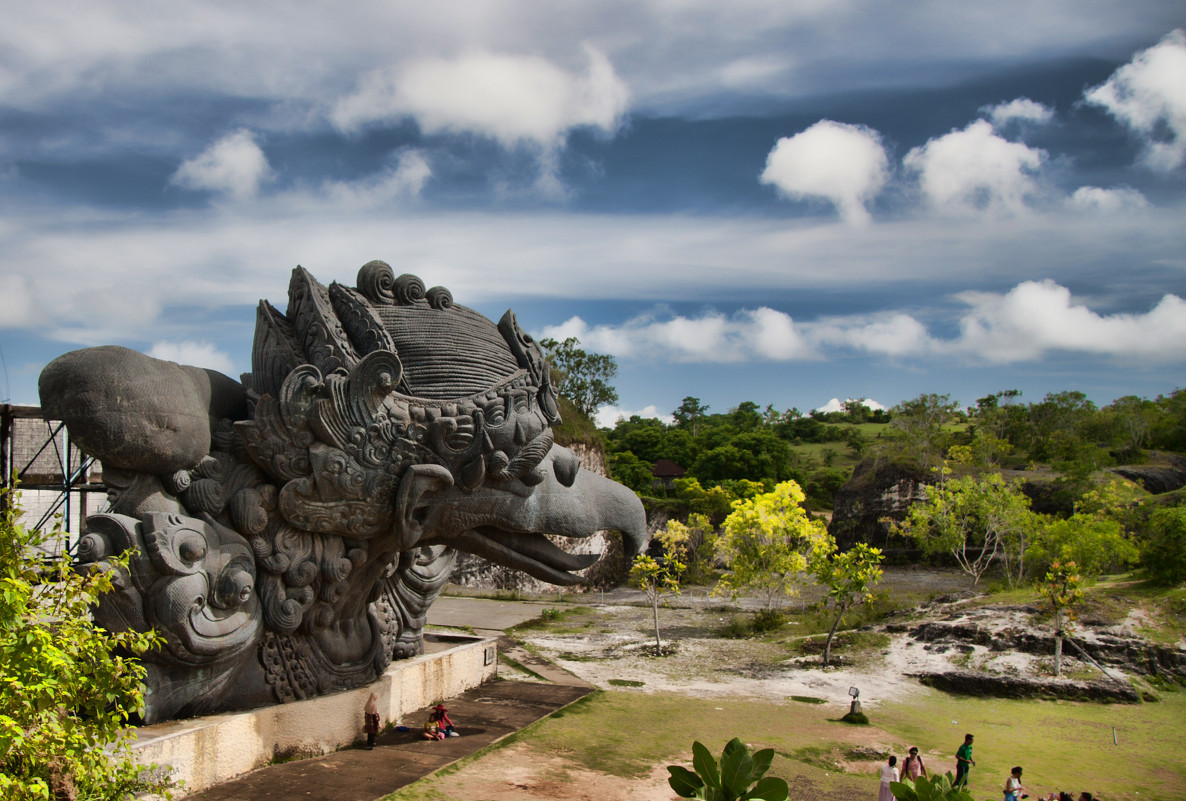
506	522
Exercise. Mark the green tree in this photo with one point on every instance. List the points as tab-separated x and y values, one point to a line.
715	502
1062	588
1133	418
67	686
767	541
975	519
1163	546
738	776
582	377
628	469
918	431
1094	542
657	577
848	578
690	412
699	547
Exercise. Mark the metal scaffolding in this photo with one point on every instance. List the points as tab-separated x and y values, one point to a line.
36	455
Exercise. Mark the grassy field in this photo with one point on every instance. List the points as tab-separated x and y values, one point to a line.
1063	746
616	743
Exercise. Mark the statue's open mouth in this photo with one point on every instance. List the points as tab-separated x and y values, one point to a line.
507	524
534	554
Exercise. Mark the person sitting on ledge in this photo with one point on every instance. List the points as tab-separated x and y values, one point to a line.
441	716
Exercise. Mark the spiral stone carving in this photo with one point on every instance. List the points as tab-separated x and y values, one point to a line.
376	281
408	289
440	298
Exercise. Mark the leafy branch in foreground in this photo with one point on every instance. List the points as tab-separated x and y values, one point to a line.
67	687
930	788
738	776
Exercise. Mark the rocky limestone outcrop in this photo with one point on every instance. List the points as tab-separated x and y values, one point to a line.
879	491
1129	654
967	682
1165	472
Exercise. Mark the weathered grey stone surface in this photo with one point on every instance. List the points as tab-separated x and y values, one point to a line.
288	533
876	494
981	685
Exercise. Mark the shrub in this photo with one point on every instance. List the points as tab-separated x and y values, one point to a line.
1163	550
930	788
768	620
737	777
67	687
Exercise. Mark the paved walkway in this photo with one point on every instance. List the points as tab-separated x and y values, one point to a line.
482	715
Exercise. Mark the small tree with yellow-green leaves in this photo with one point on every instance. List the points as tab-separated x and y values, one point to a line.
1062	587
657	577
67	686
767	542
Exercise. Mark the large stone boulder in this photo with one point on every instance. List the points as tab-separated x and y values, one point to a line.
1164	472
879	492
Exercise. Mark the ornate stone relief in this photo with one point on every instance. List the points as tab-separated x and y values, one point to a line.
290	531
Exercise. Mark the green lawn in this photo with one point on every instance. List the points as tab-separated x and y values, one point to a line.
1061	745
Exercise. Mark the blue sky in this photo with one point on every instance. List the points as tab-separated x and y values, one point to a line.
782	202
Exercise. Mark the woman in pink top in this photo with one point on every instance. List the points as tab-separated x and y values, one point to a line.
912	767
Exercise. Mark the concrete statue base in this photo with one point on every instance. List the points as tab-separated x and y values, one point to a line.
205	751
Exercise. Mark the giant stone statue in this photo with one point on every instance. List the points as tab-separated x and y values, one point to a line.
288	533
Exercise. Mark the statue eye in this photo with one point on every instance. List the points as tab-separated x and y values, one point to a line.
495	414
191	550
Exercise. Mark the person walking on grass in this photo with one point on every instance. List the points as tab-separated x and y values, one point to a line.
889	773
913	767
964	762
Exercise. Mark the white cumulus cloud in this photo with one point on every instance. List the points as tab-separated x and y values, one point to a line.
1149	96
1106	201
1022	109
841	163
835	405
406	178
234	165
1040	316
197	354
750	334
608	416
513	99
975	169
888	334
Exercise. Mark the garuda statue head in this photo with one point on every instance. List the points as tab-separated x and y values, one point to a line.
290	531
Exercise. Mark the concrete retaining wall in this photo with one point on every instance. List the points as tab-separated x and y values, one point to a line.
205	751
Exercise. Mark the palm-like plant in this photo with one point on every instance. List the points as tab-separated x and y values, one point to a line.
738	776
